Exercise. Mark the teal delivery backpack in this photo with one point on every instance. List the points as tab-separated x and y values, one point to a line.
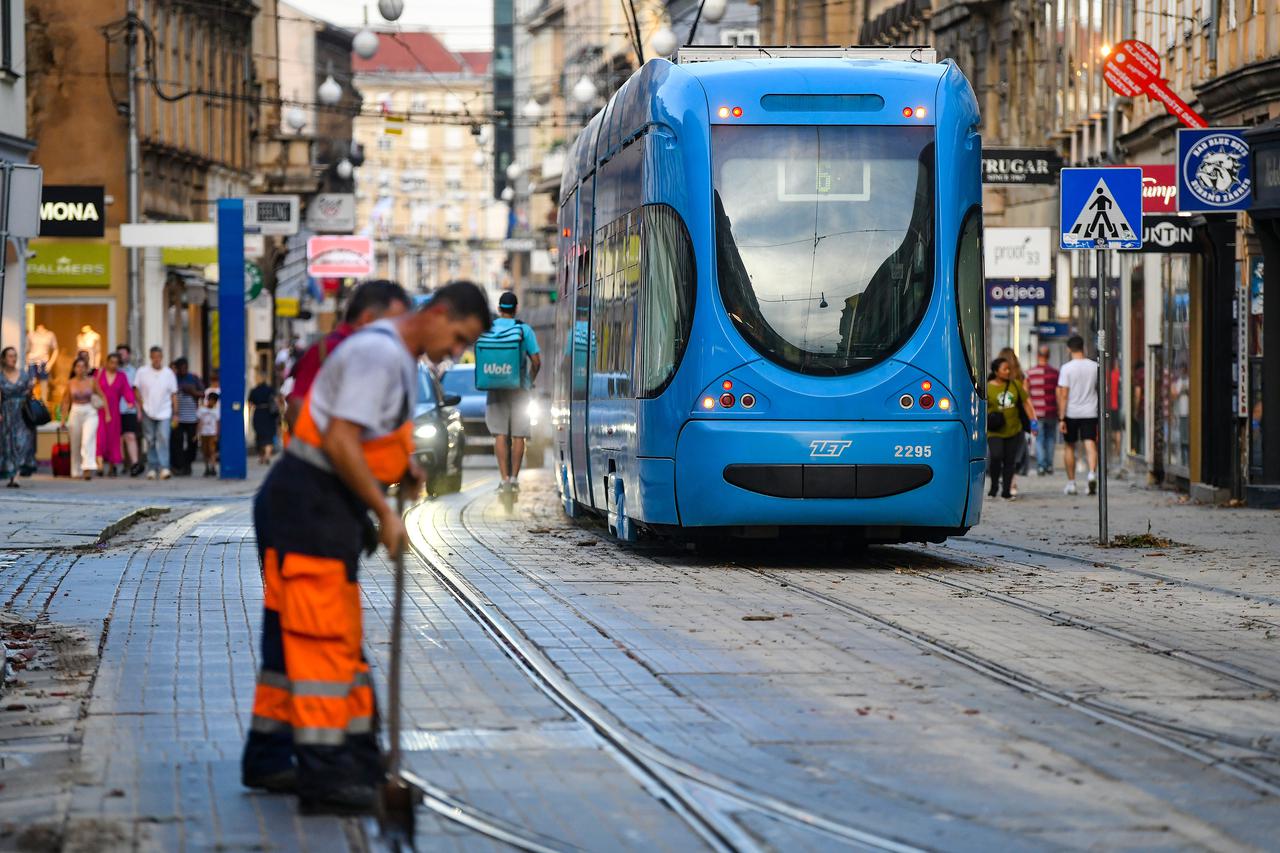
500	359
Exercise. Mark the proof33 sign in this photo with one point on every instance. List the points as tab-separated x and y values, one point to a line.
1101	208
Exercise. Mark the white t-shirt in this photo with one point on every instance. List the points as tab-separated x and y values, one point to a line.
208	419
156	389
1080	377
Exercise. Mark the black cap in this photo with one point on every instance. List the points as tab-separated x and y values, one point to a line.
507	301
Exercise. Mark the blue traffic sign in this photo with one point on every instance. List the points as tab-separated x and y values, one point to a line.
1101	208
1213	170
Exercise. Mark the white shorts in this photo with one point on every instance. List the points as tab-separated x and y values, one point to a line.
507	413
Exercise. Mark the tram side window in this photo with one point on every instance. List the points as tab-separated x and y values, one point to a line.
668	282
970	291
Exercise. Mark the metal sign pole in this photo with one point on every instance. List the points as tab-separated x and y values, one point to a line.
1100	256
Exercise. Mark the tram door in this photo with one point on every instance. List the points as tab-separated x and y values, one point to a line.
579	453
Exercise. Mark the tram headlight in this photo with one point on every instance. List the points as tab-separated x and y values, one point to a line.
708	403
944	404
427	431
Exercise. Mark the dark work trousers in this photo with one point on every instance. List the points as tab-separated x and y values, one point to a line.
313	707
183	447
1002	461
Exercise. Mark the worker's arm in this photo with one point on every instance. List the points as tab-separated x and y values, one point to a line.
292	408
341	444
535	365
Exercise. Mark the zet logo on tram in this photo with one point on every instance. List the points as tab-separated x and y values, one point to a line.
828	448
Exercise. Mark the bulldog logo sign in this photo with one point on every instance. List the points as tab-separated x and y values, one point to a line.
1213	171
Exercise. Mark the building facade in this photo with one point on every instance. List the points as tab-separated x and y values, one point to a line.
15	148
424	191
195	112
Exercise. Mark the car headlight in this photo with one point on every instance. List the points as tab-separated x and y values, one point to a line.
426	431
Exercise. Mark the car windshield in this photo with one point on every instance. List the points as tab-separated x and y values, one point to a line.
824	239
460	381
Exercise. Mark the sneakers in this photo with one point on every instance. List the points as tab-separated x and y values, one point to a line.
1093	483
1071	488
151	475
165	473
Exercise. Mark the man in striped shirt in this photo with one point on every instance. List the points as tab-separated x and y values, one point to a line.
1042	383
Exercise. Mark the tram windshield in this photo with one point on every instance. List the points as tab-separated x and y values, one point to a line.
824	239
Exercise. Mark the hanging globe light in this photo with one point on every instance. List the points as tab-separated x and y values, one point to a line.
365	43
479	158
391	10
514	170
295	118
663	42
713	10
584	91
508	194
532	109
329	92
343	168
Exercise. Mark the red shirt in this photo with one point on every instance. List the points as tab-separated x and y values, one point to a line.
1042	383
308	367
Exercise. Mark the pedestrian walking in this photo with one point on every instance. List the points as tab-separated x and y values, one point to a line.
1078	402
1042	385
265	418
1022	463
17	437
116	390
313	728
130	430
1006	398
210	417
80	407
506	411
157	398
186	443
370	301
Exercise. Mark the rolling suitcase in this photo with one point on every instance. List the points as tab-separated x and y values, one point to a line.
60	458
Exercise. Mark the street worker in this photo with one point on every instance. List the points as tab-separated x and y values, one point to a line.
370	301
313	730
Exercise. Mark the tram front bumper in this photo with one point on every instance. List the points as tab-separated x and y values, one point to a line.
837	473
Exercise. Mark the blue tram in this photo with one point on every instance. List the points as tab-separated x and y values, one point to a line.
771	300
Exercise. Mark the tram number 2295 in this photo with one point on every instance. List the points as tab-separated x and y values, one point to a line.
915	451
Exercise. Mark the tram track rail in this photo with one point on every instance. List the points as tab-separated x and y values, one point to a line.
1188	741
682	786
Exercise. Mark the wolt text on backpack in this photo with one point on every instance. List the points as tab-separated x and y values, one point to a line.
500	359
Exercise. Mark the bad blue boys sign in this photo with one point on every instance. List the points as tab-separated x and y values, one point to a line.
1213	170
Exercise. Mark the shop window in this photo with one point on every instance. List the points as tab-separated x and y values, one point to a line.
970	291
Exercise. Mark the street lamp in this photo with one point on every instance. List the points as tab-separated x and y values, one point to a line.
295	118
713	10
365	43
532	109
508	194
584	91
391	9
344	168
479	158
514	170
329	92
663	42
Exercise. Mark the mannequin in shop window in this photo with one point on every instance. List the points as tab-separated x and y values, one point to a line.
42	352
89	341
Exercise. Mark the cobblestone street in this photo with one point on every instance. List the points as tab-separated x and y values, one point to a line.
1017	688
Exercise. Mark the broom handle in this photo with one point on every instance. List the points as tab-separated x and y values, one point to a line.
393	680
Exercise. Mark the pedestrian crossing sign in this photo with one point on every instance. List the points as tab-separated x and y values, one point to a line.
1101	208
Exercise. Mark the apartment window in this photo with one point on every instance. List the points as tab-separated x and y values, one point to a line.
385	142
1231	14
740	38
418	138
7	28
454	137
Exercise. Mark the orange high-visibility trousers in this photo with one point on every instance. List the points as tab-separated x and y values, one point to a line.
314	704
